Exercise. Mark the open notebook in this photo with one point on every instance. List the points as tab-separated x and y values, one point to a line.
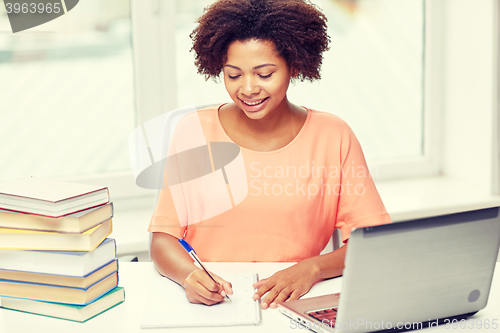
167	305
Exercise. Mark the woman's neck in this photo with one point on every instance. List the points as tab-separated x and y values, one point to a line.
277	122
274	131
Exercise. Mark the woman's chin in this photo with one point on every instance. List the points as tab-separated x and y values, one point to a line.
255	115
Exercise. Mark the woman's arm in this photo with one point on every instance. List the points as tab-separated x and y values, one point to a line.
172	261
295	281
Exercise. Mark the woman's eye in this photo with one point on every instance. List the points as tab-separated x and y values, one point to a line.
233	76
266	76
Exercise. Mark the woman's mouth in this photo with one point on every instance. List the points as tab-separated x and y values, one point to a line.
254	103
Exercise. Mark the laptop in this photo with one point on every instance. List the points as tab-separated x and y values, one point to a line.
409	275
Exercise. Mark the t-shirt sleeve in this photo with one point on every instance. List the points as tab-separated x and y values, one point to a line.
360	204
165	216
171	211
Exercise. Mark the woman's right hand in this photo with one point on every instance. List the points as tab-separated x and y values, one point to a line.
200	288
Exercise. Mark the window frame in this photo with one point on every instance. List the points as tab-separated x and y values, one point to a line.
430	163
153	47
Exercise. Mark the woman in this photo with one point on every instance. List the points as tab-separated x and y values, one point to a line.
305	169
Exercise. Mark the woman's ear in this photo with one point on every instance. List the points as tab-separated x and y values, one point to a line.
295	73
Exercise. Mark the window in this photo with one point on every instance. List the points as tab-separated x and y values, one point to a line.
67	89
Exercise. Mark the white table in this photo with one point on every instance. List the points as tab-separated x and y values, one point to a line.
134	277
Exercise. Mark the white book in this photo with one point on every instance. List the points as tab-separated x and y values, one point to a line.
69	263
167	305
48	197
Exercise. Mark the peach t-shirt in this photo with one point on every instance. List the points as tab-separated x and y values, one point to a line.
297	195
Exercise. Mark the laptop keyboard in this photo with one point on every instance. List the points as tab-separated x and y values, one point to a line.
327	314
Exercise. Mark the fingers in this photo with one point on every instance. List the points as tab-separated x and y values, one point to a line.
266	286
227	287
279	290
200	288
269	299
258	284
284	296
263	286
280	297
200	299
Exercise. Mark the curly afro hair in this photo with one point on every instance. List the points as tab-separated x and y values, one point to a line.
296	27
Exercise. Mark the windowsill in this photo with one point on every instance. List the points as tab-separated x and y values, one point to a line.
404	199
407	199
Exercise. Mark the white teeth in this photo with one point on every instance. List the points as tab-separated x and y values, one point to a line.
252	104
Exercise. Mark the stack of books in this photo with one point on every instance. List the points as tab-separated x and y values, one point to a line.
55	257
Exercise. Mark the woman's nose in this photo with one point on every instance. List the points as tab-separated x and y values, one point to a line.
250	87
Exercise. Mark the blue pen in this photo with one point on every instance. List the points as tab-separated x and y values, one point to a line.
193	255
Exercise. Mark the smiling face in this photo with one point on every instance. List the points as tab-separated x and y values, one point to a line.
257	78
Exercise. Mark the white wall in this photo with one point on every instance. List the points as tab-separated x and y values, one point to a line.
470	92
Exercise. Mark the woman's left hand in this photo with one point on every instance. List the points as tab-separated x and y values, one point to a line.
288	284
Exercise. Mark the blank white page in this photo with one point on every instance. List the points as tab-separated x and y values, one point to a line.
167	305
